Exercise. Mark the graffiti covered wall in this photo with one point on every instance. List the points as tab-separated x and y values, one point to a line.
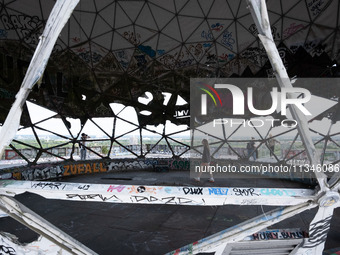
58	170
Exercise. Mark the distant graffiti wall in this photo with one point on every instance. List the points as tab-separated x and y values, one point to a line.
58	170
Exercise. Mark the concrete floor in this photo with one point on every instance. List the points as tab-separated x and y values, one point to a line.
152	229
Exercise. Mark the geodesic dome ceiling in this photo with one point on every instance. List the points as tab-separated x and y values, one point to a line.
117	51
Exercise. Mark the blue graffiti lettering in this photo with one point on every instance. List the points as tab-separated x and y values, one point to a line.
218	191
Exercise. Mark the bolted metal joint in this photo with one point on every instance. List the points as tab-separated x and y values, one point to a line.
329	199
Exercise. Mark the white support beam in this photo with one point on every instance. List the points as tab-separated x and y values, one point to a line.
318	230
242	230
11	245
328	197
259	12
140	194
33	221
60	14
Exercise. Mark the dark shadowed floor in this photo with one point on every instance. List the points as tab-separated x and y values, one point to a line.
152	229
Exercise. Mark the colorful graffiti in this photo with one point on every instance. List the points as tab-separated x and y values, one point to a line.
54	171
84	169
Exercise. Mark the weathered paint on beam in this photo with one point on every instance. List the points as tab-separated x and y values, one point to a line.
27	217
240	231
320	225
11	246
259	12
59	15
318	230
140	194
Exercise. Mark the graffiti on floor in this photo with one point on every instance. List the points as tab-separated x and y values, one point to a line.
142	189
245	192
49	185
94	197
166	200
193	191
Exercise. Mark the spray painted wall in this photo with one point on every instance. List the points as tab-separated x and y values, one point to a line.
58	170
